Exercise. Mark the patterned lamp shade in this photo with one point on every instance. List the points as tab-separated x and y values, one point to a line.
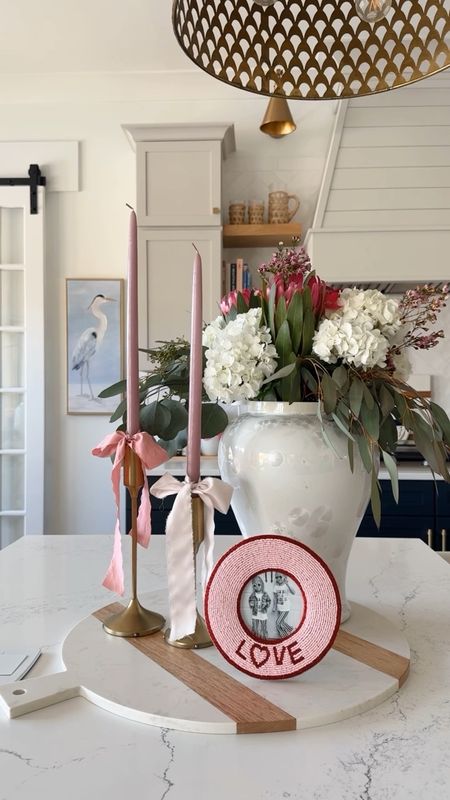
324	49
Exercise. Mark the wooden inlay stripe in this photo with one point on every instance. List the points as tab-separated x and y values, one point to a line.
251	712
372	655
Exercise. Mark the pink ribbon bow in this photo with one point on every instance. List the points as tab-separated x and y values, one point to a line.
150	455
179	544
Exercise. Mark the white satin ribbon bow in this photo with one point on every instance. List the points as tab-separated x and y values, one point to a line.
215	494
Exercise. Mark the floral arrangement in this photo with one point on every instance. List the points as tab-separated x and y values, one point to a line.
300	339
297	338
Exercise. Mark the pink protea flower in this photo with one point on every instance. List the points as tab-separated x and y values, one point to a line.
324	297
287	288
230	299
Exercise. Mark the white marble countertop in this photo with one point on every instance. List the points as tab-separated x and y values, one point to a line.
75	750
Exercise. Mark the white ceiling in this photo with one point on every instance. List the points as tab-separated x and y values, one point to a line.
88	36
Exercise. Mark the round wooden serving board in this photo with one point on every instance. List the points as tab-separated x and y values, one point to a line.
144	679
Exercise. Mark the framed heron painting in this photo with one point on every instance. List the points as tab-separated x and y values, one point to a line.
94	308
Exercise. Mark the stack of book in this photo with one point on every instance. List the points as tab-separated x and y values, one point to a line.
236	276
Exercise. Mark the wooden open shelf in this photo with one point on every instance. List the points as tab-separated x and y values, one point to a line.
259	235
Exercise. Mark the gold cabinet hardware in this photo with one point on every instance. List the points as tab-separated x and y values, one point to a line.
444	539
430	537
216	210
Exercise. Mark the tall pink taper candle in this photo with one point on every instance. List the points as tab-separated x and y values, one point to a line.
195	375
132	331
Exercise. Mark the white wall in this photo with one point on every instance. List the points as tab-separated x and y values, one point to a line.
436	362
87	231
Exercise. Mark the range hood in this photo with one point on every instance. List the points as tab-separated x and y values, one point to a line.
382	218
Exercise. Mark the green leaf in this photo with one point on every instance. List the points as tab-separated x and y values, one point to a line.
307	299
214	420
440	416
271	310
401	406
356	395
241	305
368	396
375	499
351	454
283	344
387	402
119	412
391	466
178	417
388	435
340	377
280	313
329	392
256	301
326	438
154	418
170	446
309	380
265	310
364	452
308	332
115	388
423	437
295	320
293	387
342	426
280	373
370	418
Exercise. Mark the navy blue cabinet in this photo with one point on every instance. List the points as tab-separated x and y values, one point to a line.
419	513
422	513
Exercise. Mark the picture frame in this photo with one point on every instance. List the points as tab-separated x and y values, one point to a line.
272	607
94	343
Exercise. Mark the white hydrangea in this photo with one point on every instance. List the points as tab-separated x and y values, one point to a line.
239	357
357	342
360	331
382	311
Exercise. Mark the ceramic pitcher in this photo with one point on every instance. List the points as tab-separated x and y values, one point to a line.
279	211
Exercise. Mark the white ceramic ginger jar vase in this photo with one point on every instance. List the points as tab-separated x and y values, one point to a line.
288	480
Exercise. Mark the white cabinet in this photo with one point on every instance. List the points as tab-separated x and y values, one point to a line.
179	187
178	183
165	281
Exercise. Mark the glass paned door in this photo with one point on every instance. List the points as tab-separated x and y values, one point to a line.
21	365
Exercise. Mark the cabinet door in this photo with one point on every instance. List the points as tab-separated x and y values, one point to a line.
178	183
165	281
443	533
21	364
401	527
443	499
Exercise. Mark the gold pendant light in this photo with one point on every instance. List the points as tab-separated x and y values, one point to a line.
277	120
326	49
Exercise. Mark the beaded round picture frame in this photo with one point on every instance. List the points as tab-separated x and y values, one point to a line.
272	607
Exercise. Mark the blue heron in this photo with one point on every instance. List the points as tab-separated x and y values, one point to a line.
89	342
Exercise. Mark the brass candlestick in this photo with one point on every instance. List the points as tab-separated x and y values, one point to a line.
134	620
200	637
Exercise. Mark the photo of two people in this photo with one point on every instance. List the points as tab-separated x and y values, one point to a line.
273	604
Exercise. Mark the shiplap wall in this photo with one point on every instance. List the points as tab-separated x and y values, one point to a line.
393	164
383	211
